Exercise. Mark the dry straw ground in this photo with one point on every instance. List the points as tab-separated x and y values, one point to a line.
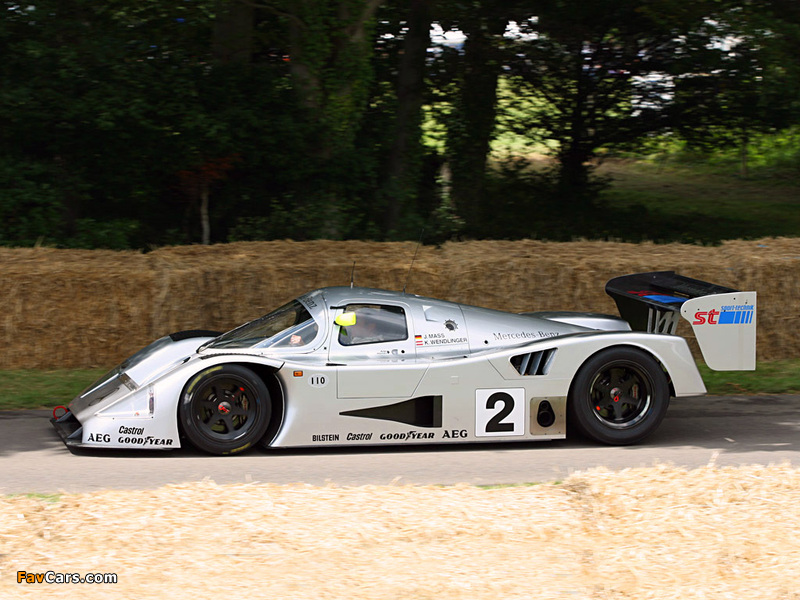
74	308
658	532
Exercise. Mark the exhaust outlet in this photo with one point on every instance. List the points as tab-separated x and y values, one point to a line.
545	416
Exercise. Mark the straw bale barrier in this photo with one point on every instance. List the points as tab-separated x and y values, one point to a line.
79	308
657	532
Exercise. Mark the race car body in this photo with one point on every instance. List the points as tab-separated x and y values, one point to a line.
357	366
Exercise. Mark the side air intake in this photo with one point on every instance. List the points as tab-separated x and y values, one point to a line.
533	363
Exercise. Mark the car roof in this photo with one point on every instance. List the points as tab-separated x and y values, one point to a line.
337	296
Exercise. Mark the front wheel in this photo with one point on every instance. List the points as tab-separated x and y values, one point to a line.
619	396
225	409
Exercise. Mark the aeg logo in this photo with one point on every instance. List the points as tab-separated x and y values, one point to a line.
706	316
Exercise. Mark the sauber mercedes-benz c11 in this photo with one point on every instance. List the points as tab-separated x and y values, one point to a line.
355	366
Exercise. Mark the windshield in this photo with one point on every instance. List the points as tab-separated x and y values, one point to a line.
290	325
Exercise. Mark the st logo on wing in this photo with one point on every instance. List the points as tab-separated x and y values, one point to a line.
728	315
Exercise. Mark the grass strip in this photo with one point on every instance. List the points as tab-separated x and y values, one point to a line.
31	389
773	377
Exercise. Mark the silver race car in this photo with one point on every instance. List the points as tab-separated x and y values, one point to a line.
354	366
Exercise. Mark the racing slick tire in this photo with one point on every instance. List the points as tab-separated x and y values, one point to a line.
619	396
225	409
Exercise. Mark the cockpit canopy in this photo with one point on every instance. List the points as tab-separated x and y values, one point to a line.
289	326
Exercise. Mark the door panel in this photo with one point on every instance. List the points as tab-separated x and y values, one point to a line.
375	358
388	380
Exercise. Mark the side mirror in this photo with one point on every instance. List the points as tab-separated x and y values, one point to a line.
346	319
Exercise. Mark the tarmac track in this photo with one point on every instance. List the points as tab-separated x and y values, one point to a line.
726	431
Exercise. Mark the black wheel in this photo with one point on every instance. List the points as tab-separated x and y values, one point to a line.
225	409
619	396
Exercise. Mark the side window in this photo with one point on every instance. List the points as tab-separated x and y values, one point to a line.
374	323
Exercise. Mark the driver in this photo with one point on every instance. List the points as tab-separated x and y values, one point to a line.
365	330
304	335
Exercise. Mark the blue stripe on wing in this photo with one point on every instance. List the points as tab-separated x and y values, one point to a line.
666	299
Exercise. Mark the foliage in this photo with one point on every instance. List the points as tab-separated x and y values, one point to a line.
678	198
600	74
29	207
322	113
744	83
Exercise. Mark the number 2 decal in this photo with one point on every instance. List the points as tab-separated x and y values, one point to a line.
500	412
496	423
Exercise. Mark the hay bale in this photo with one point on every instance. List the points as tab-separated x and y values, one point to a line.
77	308
72	308
658	532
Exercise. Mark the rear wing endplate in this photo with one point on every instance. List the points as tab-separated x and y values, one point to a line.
723	319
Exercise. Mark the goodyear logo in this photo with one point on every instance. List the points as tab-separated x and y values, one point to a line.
727	315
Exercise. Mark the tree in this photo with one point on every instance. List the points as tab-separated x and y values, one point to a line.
330	46
602	73
741	76
468	84
403	162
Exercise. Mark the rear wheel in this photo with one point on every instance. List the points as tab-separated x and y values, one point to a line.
225	409
619	396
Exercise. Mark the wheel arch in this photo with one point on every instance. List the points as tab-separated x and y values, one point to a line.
625	346
622	431
268	374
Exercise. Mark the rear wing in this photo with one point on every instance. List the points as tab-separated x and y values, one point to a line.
723	319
